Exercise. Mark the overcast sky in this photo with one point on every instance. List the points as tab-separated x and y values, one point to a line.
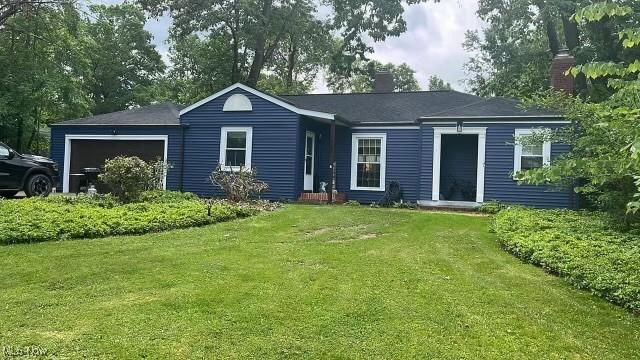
432	44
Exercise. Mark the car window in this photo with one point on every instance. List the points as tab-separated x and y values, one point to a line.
4	152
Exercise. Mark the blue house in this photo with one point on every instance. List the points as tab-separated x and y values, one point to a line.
442	147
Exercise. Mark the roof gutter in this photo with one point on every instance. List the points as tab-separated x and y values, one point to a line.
427	118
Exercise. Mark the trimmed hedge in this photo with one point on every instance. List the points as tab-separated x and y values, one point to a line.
582	247
61	217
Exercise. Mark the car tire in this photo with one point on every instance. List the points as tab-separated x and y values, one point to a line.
38	185
8	194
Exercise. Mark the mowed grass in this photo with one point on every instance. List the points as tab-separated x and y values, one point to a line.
303	282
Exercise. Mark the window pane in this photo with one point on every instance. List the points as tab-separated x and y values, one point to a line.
236	139
4	152
535	149
308	165
236	158
368	175
530	162
309	145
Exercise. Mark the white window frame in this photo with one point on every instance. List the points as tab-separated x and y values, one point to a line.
223	146
517	153
354	160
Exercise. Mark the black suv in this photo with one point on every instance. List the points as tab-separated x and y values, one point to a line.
36	175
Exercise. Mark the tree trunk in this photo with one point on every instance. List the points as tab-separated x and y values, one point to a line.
235	67
552	35
291	63
259	47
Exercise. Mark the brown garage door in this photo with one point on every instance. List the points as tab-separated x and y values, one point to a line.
94	153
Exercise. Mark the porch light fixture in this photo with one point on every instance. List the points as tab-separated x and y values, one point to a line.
459	126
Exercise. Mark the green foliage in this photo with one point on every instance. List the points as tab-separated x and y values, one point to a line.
128	177
436	83
602	161
60	61
61	217
352	203
362	79
405	205
491	207
124	61
581	247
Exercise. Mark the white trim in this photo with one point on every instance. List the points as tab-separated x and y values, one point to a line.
354	160
437	148
237	102
386	128
313	160
492	117
444	122
517	151
222	159
67	151
316	114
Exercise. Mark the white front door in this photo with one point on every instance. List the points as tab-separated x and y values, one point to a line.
309	155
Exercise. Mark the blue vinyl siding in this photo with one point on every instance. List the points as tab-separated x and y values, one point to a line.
274	154
58	134
499	184
401	163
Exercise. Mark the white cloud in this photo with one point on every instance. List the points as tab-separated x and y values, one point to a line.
432	44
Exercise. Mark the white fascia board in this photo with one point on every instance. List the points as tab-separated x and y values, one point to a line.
269	98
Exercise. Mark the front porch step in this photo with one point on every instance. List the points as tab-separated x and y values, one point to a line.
340	198
449	205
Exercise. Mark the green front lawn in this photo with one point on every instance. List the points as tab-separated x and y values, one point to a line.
303	281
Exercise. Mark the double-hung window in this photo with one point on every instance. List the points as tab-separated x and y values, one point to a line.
368	161
528	155
235	147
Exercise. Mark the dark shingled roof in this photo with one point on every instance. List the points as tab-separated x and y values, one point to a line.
382	107
404	107
492	107
157	114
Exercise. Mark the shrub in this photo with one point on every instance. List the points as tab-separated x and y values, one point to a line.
352	203
491	207
61	217
241	185
128	177
582	247
405	205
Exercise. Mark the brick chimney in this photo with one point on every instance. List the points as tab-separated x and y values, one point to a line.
383	82
562	62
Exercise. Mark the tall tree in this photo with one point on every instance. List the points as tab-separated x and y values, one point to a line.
437	83
125	63
258	29
10	8
43	64
512	55
403	76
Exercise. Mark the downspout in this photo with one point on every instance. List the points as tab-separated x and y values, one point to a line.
183	127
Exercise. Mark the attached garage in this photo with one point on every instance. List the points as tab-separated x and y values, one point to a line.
91	151
150	133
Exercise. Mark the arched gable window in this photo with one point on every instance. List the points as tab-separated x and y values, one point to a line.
237	102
